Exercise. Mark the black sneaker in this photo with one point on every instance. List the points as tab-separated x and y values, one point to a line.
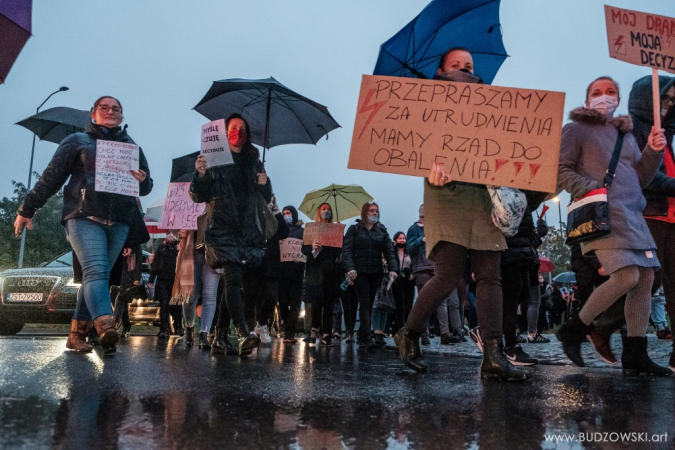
447	339
517	356
425	340
520	340
474	334
537	339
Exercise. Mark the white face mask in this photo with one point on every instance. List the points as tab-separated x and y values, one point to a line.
605	104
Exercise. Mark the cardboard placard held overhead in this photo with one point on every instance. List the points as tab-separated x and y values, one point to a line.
215	147
641	38
326	234
291	250
180	212
482	134
114	161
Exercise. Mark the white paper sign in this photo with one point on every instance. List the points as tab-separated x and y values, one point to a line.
180	212
114	161
214	147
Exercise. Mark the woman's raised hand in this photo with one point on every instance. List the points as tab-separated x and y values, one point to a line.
657	139
437	177
200	165
262	179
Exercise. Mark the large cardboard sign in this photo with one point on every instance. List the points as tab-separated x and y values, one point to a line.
114	161
214	145
291	250
641	38
180	212
326	234
482	134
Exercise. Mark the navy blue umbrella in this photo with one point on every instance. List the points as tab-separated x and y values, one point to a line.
416	50
275	114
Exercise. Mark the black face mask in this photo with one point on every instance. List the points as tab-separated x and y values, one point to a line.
460	76
400	245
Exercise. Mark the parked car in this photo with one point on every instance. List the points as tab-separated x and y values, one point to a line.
47	294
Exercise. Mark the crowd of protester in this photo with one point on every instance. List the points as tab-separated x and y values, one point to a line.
453	274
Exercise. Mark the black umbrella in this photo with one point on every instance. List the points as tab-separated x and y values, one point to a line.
15	29
275	114
183	167
55	124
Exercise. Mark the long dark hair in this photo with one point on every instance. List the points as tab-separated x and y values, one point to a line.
399	233
364	210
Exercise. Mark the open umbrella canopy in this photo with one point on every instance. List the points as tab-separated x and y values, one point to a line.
55	124
545	265
275	114
565	278
183	167
15	29
345	200
416	50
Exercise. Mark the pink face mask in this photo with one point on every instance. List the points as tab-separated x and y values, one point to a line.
236	137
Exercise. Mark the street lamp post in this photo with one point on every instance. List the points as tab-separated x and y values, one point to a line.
30	174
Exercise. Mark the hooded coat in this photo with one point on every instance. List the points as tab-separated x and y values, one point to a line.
586	150
76	159
290	269
233	231
640	107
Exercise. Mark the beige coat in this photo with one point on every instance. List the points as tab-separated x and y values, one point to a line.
460	213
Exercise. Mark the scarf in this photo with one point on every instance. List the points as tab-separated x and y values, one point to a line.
184	282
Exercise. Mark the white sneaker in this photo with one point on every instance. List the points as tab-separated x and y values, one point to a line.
265	335
257	329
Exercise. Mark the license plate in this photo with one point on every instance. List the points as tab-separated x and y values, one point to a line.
24	297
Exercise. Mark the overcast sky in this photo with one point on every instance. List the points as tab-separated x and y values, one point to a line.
160	57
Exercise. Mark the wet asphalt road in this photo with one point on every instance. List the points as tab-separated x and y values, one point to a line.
167	396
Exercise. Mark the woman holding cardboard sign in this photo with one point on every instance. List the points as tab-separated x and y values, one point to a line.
364	246
458	224
97	222
628	252
322	278
234	237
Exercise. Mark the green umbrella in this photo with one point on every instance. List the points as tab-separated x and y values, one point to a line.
346	201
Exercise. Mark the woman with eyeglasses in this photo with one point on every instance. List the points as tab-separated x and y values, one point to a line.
233	239
97	223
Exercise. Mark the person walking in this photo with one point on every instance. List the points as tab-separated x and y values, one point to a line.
365	245
97	223
458	224
234	238
628	252
404	286
290	279
162	276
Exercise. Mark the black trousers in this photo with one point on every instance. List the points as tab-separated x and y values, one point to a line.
290	299
350	304
163	289
232	300
515	289
404	296
366	285
260	297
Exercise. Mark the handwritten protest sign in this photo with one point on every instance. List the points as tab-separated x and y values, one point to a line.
482	134
114	160
291	250
326	234
180	212
214	147
641	38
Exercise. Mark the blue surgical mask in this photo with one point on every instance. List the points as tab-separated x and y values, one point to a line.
288	219
326	215
374	219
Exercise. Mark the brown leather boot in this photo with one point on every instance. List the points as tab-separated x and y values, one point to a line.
105	327
79	329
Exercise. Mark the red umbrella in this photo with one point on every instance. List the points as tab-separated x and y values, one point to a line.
15	29
545	265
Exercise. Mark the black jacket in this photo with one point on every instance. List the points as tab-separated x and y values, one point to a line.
234	232
362	250
164	262
640	107
271	262
522	248
290	269
323	270
76	158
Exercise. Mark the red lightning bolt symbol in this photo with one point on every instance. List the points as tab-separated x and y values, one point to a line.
618	42
375	107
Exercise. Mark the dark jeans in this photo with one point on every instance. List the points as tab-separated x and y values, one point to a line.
515	288
290	298
322	306
366	285
664	236
163	288
350	302
450	262
404	295
232	300
260	297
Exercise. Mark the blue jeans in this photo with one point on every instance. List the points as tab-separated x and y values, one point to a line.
659	312
206	285
97	247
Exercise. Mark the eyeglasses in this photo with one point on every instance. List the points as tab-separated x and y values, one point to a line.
106	108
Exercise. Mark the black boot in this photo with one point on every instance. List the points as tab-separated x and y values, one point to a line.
219	344
635	359
495	365
247	341
571	334
190	336
379	340
204	341
408	343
